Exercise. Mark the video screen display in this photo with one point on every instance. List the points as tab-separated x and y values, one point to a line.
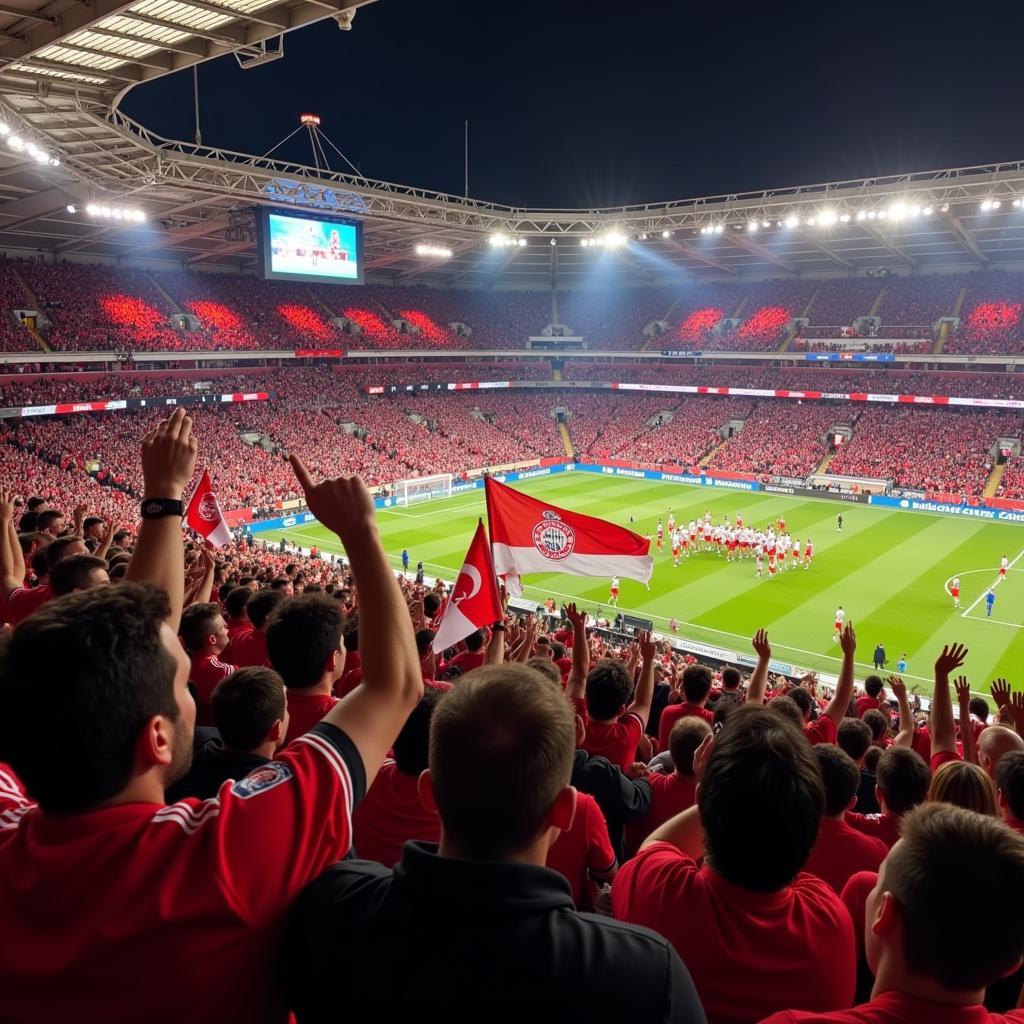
299	248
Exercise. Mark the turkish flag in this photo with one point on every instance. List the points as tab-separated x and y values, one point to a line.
528	535
474	600
204	515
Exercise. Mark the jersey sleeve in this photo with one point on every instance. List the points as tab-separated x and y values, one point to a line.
600	855
275	830
942	757
823	730
659	877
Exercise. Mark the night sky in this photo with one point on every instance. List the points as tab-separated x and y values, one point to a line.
575	104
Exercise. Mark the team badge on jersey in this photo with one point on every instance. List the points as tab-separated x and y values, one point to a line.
261	779
554	538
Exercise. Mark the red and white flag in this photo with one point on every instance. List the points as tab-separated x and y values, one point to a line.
528	535
204	515
474	600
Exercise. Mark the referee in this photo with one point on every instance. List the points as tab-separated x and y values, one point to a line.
839	523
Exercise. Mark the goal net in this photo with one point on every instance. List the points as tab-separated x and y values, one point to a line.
423	488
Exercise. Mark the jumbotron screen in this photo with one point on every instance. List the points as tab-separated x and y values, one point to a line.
311	249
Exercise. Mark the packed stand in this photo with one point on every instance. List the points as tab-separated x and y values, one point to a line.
610	319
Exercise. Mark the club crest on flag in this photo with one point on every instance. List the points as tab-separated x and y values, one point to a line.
554	538
207	509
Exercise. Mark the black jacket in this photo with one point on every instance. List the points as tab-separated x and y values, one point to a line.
620	798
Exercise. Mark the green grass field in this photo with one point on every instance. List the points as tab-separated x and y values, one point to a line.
888	569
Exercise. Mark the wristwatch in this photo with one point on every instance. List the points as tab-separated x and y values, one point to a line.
157	508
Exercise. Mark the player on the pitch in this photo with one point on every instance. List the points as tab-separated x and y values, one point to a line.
759	556
660	537
808	553
840	618
781	524
796	553
1004	564
675	549
954	591
671	521
613	591
839	523
693	534
739	520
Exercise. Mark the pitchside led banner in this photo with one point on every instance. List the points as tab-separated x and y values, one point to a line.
528	535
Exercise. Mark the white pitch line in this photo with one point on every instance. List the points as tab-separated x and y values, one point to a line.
999	579
428	515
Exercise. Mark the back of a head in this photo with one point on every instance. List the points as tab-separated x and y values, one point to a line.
1010	782
995	743
697	682
412	746
787	708
197	623
304	632
684	739
854	737
873	686
237	600
48	519
62	547
608	688
840	776
424	640
761	782
475	640
877	722
871	759
802	699
731	678
965	785
979	708
926	870
501	749
246	704
903	778
431	605
262	605
98	656
77	572
547	668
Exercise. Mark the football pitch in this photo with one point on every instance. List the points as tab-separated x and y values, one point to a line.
888	569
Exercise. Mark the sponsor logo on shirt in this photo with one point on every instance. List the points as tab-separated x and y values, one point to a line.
262	779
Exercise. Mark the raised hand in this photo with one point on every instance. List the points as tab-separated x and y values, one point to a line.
952	657
169	456
963	689
648	648
1000	691
6	506
342	504
898	687
577	618
848	640
702	755
762	648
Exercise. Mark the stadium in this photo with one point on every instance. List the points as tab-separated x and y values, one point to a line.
795	409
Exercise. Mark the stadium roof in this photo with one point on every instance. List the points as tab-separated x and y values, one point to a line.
65	65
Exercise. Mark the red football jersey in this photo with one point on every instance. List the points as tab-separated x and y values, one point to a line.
206	672
616	741
391	814
249	649
24	601
585	847
171	913
305	710
671	794
673	712
842	851
881	826
898	1008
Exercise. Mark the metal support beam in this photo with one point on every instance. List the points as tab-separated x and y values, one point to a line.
957	228
888	243
696	254
821	247
33	207
758	250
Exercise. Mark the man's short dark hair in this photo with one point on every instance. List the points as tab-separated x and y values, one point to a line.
35	503
979	708
940	846
873	686
46	519
475	640
697	682
246	704
29	522
280	582
197	625
424	638
840	775
762	791
39	562
871	759
684	739
787	708
98	657
501	750
304	632
58	549
803	700
412	747
878	722
1010	781
854	736
547	668
91	521
731	678
72	573
903	778
261	605
608	688
237	600
431	604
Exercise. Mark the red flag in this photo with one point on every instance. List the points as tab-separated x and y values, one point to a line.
204	515
474	601
528	535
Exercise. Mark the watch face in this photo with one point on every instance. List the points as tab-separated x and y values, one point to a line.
150	507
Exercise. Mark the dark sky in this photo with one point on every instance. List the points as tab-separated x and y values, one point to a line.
596	103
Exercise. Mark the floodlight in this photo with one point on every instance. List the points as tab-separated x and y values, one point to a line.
844	218
986	205
666	234
15	142
827	218
927	211
434	251
792	221
719	229
996	204
522	242
752	227
4	129
71	208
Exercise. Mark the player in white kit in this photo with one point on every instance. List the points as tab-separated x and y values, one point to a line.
840	619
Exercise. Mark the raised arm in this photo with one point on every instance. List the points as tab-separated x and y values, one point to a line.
373	714
942	727
105	541
168	460
905	737
684	830
759	677
577	684
12	561
840	701
963	697
645	686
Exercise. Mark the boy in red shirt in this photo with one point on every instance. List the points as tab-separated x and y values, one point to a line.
841	851
305	647
392	812
696	683
613	730
205	635
249	649
755	931
871	699
931	956
195	892
901	783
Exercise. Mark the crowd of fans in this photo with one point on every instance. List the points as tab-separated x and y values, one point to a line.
261	772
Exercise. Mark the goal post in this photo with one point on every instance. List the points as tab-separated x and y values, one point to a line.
423	488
